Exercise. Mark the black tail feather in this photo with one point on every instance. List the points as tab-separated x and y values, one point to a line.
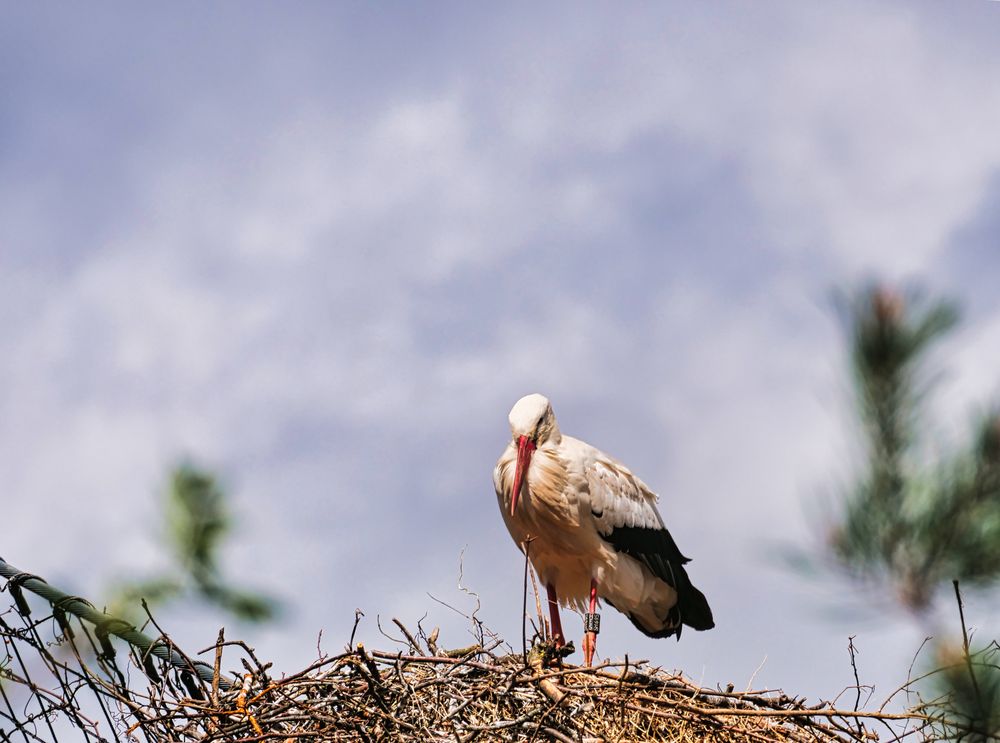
694	609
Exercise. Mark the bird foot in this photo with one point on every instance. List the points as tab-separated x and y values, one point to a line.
589	648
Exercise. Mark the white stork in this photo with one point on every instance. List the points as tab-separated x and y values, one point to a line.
594	531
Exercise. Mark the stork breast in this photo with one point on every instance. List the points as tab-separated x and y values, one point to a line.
552	500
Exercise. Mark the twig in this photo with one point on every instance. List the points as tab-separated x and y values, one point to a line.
857	680
965	644
217	666
526	544
357	620
413	643
854	667
754	674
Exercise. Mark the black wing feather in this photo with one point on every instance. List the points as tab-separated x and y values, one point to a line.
656	549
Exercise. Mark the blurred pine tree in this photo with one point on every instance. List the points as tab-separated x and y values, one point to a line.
915	524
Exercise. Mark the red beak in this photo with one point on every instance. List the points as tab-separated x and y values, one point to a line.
524	448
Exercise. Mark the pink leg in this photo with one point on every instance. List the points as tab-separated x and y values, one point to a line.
590	637
557	631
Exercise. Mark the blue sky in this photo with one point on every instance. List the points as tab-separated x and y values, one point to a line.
325	247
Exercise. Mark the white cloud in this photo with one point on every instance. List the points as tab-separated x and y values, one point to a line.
851	125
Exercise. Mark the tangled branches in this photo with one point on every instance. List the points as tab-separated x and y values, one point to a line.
61	680
363	695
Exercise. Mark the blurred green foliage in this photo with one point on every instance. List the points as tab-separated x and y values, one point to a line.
197	523
966	694
918	524
913	520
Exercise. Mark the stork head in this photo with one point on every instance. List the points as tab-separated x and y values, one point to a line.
532	424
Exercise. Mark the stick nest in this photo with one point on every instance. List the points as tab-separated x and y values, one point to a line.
474	694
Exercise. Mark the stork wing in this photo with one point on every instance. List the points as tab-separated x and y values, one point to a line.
624	510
